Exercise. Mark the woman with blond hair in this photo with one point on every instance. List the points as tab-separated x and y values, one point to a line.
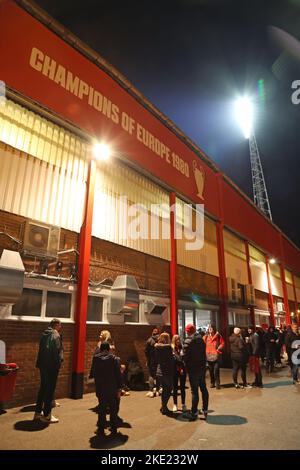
165	369
179	373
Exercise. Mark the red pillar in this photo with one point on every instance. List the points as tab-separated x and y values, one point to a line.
83	285
284	288
222	268
271	303
252	309
295	297
173	267
285	296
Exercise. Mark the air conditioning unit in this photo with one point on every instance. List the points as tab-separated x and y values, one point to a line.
41	239
232	288
249	295
280	307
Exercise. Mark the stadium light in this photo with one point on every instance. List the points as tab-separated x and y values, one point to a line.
244	115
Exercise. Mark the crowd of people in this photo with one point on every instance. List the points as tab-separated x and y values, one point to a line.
170	362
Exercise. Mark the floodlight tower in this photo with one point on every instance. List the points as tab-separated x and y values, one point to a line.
244	113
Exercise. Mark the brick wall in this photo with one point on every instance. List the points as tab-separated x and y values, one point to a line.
22	340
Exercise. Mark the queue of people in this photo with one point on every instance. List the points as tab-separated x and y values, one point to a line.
169	363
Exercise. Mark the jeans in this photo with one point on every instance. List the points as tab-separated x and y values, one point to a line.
197	380
182	380
111	402
153	379
46	391
214	371
167	386
238	364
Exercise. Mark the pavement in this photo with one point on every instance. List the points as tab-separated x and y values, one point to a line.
267	418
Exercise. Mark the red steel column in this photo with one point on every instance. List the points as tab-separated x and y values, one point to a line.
295	297
284	288
252	309
173	267
222	268
270	293
285	296
83	285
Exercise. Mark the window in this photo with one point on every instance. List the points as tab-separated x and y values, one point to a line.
29	304
58	305
241	294
95	308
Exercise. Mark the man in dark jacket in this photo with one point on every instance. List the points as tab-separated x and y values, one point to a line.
49	359
291	337
239	357
106	370
152	363
194	356
254	346
165	369
270	340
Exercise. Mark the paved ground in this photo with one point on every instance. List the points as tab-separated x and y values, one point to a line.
266	418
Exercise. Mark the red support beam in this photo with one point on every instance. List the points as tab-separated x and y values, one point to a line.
284	288
222	267
285	295
173	267
296	301
252	309
271	302
83	285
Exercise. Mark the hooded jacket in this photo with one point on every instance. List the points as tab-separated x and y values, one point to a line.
194	354
165	359
106	370
214	345
50	355
150	351
238	348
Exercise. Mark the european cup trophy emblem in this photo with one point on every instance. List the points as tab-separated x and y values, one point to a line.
199	178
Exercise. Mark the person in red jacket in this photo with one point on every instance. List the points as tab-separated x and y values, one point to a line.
214	348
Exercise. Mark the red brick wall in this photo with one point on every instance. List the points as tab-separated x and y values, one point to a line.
22	340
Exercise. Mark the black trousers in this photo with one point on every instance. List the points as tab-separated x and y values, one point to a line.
197	380
214	371
182	380
112	402
270	358
167	386
236	366
46	391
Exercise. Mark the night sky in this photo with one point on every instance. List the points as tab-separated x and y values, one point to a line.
191	59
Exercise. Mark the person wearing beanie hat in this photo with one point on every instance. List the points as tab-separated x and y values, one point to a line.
239	356
194	357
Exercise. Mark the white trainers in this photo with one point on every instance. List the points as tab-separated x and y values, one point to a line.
160	391
175	408
49	419
184	408
150	394
37	416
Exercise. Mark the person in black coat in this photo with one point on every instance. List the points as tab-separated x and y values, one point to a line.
106	370
179	372
270	340
255	346
194	356
152	364
239	357
165	369
49	360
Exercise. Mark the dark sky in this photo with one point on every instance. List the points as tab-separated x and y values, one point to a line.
191	58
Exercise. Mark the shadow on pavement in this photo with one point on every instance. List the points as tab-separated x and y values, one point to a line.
108	442
27	409
226	420
3	412
283	383
30	426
